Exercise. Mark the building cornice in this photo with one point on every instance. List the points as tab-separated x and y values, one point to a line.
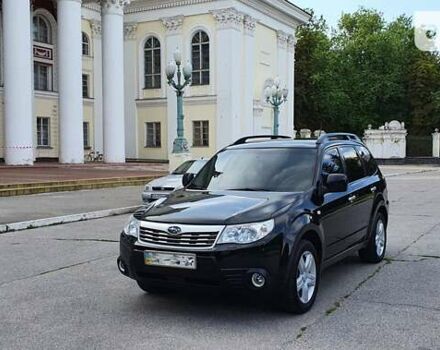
141	6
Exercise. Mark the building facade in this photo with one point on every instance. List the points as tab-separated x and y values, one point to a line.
90	75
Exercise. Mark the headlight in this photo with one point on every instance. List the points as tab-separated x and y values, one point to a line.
147	187
246	233
132	227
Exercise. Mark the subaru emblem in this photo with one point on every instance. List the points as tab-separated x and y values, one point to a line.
174	230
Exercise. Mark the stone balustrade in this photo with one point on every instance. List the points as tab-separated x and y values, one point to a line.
389	141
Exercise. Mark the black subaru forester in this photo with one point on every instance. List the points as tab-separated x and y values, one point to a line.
265	215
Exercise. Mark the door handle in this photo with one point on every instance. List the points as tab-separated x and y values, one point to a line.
352	198
373	189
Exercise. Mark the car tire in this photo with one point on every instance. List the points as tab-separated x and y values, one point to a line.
303	280
374	252
150	289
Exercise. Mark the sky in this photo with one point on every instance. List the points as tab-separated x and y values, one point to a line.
332	9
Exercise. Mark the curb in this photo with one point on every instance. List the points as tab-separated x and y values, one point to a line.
59	220
411	172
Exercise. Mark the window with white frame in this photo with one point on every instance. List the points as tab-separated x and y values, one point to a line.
41	30
85	44
200	58
152	69
85	85
152	135
43	125
86	134
42	76
201	133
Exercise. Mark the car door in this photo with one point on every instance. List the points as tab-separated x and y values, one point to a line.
334	206
360	199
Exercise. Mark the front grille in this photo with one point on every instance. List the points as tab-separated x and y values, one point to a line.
157	188
186	239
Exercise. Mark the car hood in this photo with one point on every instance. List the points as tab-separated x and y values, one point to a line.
167	181
217	207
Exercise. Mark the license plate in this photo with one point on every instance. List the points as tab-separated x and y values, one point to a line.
169	259
157	195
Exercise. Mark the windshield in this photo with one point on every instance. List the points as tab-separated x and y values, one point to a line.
183	168
196	166
273	169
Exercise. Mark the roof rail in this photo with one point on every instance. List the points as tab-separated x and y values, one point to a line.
271	137
335	136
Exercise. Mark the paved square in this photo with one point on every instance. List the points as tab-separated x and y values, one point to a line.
60	288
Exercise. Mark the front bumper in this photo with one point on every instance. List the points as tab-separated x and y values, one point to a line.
229	268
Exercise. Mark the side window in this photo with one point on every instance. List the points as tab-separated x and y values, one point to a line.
353	163
370	163
331	163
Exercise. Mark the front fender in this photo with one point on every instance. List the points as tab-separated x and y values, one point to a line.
297	229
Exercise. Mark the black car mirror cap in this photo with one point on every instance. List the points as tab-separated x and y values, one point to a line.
187	179
336	183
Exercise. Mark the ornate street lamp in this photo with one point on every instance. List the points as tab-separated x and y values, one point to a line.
180	144
276	96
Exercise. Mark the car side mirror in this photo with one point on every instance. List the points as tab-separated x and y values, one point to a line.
187	178
336	183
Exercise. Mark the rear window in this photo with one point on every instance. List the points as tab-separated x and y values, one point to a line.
369	162
353	164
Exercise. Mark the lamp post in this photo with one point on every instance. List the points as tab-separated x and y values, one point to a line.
184	74
276	96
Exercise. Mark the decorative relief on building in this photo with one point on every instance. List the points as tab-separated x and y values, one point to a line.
96	28
228	18
114	6
173	24
130	31
44	53
291	43
249	25
282	38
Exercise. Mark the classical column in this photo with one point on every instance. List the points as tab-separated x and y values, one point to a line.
69	81
229	74
17	82
112	12
282	38
290	104
249	75
97	86
131	81
173	40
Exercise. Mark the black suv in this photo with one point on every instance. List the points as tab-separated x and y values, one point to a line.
264	215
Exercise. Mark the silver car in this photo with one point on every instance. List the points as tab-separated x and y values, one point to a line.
163	186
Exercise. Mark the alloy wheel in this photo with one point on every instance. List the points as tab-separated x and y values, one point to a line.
306	277
380	237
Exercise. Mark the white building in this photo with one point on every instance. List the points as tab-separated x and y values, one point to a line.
79	75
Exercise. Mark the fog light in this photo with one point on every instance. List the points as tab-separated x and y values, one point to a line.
258	280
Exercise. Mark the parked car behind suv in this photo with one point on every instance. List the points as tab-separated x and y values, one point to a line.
262	217
163	186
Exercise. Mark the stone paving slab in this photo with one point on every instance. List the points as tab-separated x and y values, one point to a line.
47	205
57	172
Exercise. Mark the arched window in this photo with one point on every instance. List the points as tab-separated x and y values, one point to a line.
152	69
85	44
41	30
200	58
